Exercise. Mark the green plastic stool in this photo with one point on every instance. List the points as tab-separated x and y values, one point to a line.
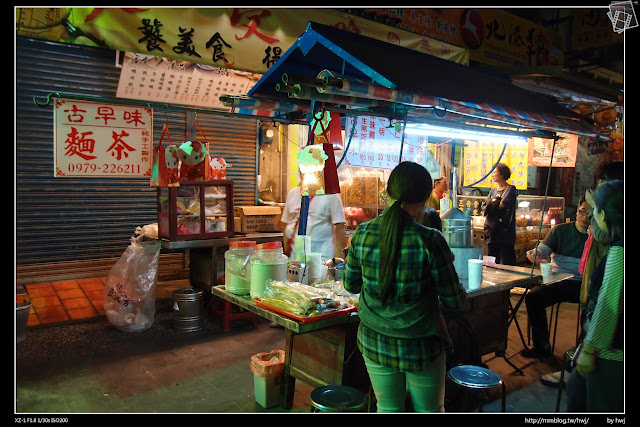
337	398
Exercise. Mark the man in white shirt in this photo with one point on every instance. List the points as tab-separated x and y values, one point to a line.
325	223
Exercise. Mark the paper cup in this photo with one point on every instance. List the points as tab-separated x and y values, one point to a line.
475	273
545	268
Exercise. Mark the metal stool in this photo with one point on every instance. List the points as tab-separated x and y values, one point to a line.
336	398
568	358
555	327
476	377
556	308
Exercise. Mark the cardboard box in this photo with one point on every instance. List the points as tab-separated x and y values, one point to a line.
258	218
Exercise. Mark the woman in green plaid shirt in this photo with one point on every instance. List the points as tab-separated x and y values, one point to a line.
403	271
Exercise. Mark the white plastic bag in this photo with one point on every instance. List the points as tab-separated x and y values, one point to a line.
432	165
149	230
130	291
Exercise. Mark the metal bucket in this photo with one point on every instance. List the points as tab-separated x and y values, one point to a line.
336	268
457	229
297	272
187	310
22	318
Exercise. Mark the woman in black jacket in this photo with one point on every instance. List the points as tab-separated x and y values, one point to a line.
500	217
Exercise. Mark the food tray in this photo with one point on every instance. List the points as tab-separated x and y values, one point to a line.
304	319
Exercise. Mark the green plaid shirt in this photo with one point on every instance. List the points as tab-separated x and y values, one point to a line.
408	332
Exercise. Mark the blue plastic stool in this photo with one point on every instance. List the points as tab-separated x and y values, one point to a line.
476	377
336	398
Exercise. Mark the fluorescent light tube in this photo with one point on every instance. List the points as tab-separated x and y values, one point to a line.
422	129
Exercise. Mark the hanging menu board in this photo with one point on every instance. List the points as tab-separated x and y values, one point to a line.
156	79
565	151
376	145
479	158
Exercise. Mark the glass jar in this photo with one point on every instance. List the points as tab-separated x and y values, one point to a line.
267	262
237	269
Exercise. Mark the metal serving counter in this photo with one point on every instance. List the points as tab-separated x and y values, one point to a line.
202	255
526	238
216	243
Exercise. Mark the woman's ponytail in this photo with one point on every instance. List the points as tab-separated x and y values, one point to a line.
411	183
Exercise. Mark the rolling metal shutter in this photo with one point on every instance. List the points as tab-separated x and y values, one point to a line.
71	219
234	139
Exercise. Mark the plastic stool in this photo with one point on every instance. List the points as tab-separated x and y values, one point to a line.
476	377
568	358
227	314
337	398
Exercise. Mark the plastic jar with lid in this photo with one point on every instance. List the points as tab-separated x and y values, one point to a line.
267	262
237	268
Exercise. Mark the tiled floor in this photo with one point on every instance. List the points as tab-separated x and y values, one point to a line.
64	301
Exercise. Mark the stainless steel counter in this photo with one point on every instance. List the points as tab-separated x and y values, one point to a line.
216	243
503	277
202	255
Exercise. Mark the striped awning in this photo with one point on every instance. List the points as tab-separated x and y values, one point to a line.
330	65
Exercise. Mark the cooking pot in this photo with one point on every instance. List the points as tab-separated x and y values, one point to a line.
457	228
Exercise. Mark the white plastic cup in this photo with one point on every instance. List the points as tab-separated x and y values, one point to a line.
314	266
445	204
475	273
545	268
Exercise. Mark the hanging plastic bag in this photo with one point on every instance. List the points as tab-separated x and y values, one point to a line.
130	291
432	165
165	167
195	162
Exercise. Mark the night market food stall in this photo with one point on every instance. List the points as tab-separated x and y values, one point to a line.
359	86
337	73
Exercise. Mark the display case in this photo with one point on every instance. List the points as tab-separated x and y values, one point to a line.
196	210
528	214
363	194
528	217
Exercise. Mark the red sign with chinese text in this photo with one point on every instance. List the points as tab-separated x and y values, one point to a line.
102	140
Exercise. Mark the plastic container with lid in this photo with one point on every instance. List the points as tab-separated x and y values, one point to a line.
267	262
237	268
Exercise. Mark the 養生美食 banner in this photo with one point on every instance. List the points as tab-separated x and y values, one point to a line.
247	39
